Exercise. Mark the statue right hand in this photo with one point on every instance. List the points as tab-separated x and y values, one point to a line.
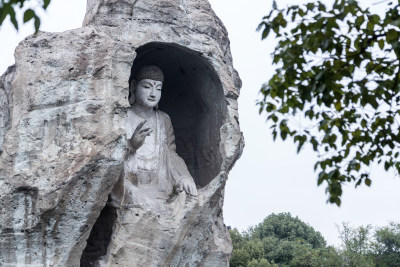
138	136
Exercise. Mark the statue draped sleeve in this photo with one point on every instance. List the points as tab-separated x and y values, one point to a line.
176	165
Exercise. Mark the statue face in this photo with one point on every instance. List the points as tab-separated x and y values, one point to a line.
148	93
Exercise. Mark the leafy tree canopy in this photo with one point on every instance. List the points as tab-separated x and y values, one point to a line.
8	8
338	73
280	240
285	227
356	245
387	245
285	241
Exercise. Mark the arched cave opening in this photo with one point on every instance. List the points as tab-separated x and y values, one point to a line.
193	97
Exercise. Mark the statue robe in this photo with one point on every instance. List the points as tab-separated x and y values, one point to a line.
155	166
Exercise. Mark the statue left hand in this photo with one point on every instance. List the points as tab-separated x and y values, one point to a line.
188	185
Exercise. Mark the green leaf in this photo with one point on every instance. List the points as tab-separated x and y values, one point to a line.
310	6
321	178
338	106
381	44
28	15
375	19
337	201
46	4
392	35
266	31
4	11
13	19
387	165
274	6
283	135
37	23
314	144
370	26
360	20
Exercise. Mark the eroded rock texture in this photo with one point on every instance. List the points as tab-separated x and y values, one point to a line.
62	139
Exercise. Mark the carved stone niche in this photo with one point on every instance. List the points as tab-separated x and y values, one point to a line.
193	97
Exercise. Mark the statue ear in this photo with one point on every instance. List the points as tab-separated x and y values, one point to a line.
132	86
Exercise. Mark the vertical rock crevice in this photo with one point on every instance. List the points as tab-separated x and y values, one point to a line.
99	238
5	103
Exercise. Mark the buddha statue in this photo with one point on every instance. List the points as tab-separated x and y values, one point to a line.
152	162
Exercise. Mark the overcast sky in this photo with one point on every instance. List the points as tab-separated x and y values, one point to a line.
269	177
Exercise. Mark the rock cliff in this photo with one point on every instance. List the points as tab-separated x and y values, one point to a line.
62	138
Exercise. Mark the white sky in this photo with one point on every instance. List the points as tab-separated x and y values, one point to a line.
269	177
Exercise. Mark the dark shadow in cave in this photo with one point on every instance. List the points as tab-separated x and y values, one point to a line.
193	97
99	238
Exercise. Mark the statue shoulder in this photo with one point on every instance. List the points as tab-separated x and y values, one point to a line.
164	116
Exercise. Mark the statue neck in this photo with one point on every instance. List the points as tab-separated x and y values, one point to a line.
143	112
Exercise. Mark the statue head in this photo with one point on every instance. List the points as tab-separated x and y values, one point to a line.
145	87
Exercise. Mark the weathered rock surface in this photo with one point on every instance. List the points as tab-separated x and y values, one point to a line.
62	138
